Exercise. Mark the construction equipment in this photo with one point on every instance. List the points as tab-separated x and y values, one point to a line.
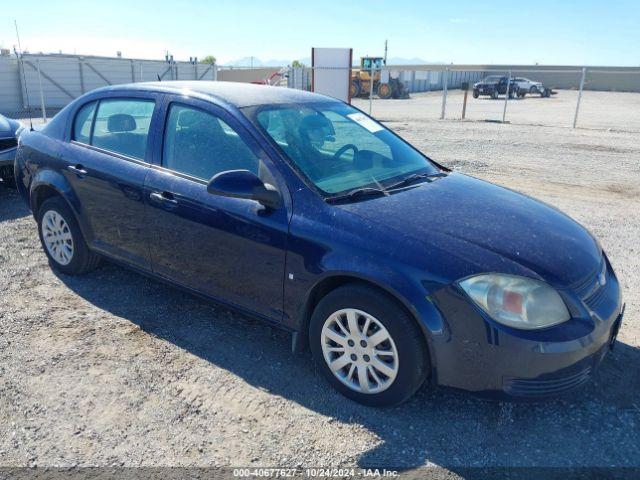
277	79
361	80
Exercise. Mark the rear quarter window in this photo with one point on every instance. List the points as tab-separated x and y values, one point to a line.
82	123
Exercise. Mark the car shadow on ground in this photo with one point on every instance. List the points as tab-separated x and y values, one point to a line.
600	426
11	207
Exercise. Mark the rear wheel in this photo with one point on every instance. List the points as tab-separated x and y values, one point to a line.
476	94
384	91
533	89
62	239
368	347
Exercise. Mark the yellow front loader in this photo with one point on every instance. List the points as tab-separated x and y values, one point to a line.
361	81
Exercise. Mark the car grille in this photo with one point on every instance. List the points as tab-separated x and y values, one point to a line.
7	143
594	300
591	290
542	387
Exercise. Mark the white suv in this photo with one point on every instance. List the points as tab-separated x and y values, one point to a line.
528	86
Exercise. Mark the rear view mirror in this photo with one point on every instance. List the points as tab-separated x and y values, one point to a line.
244	184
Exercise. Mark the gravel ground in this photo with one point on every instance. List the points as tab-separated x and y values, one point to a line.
113	368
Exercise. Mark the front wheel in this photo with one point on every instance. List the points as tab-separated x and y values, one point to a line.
368	347
355	89
476	94
62	239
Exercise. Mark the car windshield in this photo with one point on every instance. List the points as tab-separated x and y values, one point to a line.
338	148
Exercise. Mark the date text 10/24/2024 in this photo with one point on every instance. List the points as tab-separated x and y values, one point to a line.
314	472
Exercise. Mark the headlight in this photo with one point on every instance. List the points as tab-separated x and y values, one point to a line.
517	302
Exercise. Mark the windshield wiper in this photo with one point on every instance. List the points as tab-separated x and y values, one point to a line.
357	192
414	178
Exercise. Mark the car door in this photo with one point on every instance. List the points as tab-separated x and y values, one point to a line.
228	248
106	163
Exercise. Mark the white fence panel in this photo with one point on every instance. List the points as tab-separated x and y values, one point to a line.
59	80
62	78
10	96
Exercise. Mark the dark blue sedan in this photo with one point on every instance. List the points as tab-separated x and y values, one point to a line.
305	212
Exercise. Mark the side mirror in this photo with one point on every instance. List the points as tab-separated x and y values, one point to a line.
244	184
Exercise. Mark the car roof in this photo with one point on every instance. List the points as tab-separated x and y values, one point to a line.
233	93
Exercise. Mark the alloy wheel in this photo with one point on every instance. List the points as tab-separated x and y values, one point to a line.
359	351
57	237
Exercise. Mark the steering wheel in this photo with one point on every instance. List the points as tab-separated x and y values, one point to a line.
344	148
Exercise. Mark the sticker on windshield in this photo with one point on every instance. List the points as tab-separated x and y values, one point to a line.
364	121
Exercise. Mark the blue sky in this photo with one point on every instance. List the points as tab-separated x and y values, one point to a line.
584	32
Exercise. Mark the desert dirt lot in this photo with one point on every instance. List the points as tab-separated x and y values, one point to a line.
115	369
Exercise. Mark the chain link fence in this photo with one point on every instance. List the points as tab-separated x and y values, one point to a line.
592	97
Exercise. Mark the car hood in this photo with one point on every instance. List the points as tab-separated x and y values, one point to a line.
8	127
485	228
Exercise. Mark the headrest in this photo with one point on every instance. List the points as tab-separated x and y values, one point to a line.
189	118
121	122
316	121
201	123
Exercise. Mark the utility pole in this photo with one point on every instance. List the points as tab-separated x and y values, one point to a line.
385	51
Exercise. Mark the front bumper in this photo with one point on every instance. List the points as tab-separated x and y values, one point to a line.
490	359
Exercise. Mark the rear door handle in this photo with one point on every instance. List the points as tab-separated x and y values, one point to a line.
78	170
165	198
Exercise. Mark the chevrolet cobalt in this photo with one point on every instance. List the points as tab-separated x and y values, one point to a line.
303	211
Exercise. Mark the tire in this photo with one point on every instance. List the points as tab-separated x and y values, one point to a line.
384	91
355	89
57	223
406	358
533	90
476	94
494	94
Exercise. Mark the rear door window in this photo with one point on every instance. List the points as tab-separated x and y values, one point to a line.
122	126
